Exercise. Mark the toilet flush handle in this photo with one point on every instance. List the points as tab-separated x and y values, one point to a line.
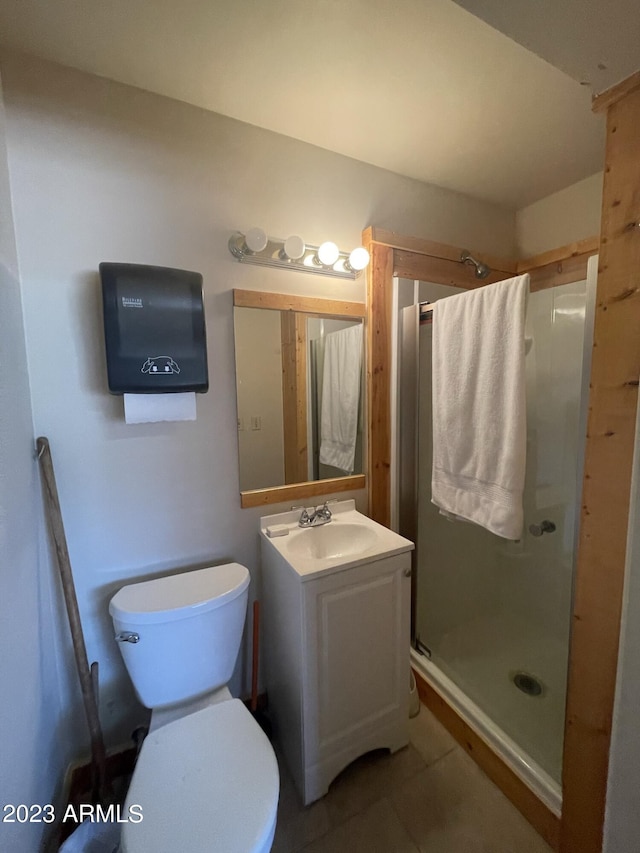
128	637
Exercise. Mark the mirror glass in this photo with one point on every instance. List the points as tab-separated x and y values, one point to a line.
299	380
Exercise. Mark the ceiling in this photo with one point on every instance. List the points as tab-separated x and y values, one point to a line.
595	42
420	87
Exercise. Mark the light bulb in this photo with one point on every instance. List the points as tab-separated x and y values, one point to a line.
294	248
358	259
256	240
328	254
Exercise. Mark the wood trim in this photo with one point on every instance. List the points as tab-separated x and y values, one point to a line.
441	271
609	97
606	488
293	332
560	272
528	804
435	250
302	305
588	246
379	276
291	302
416	257
299	491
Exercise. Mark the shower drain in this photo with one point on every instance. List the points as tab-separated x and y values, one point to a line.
528	683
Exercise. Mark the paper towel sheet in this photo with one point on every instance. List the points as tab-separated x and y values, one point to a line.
150	408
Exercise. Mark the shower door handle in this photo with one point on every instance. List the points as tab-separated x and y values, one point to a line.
545	526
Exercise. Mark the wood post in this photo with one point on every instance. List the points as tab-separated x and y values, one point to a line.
606	490
379	293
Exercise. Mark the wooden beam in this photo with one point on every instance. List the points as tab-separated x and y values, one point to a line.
441	271
291	302
533	809
300	491
601	102
293	332
606	488
559	272
588	246
379	291
433	249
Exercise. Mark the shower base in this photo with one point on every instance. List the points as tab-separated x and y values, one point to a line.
484	655
492	665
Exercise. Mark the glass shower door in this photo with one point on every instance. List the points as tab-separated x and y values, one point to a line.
494	615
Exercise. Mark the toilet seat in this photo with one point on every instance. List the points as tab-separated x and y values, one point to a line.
206	783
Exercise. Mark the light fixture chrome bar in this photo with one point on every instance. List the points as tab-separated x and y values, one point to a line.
274	255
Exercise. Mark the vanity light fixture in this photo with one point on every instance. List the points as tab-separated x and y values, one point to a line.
358	259
255	241
327	254
251	243
293	249
255	247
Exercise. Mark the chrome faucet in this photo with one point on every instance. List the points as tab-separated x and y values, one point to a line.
320	515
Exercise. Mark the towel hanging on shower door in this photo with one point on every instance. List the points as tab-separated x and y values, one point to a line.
479	406
340	397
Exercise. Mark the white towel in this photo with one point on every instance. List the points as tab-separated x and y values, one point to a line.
479	406
340	397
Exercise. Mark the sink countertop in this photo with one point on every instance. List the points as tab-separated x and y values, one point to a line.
386	543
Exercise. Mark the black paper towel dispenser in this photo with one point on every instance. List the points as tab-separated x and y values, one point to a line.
154	329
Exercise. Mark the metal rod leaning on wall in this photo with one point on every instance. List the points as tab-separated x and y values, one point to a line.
87	678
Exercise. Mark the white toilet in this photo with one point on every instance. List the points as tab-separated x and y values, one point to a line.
206	778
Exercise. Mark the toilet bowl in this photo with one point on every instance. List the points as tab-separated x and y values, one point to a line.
207	777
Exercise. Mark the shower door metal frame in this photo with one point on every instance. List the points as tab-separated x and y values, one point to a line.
408	380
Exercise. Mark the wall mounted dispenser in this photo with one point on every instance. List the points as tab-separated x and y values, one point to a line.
154	329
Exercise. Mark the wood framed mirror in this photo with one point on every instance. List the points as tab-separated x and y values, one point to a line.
301	396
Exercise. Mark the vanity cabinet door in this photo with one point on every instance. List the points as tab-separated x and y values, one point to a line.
357	667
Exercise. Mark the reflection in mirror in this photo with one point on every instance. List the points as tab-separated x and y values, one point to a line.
299	390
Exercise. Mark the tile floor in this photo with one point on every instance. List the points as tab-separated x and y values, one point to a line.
427	798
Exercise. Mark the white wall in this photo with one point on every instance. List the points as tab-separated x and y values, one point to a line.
33	740
564	217
101	171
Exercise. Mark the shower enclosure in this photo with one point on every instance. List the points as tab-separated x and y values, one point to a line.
491	617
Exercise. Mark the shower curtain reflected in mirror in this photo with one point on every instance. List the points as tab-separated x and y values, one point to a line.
493	616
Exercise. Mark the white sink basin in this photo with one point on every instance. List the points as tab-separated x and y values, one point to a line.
349	539
335	539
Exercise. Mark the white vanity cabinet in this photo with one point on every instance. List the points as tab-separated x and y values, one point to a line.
336	654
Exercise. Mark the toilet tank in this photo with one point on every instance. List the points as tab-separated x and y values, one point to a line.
186	631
